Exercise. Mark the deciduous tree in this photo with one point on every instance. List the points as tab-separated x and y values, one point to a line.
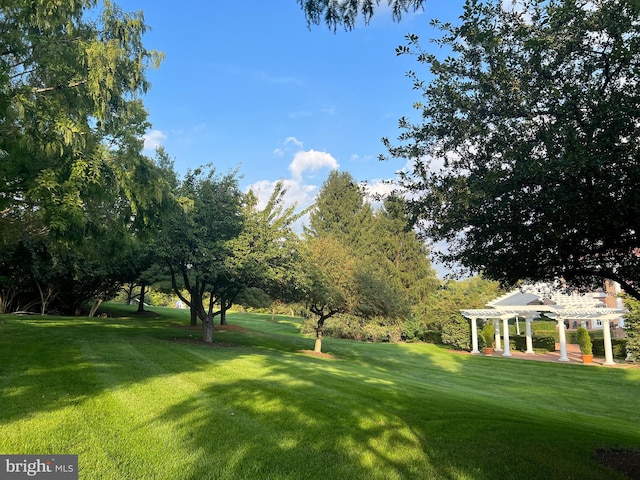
71	122
195	240
344	270
266	254
525	158
338	284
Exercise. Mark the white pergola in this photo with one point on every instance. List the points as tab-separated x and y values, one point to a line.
534	300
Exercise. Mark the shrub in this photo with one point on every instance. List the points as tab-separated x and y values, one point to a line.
632	328
352	328
457	333
412	329
432	336
488	335
584	341
539	344
520	342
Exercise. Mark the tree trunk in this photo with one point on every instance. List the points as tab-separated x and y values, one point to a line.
143	289
207	329
318	346
194	316
224	306
129	291
94	308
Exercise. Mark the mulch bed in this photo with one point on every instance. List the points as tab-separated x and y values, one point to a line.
317	354
621	460
198	340
216	328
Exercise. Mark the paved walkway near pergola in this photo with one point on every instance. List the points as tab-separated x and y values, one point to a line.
573	355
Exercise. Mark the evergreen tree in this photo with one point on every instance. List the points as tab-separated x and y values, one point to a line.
339	210
400	255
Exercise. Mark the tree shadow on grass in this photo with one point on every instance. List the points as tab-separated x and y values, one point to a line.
377	411
51	363
313	418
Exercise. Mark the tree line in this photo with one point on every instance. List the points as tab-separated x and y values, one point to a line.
524	159
83	212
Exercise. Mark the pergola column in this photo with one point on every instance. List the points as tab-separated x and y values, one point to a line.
529	336
608	350
474	335
496	328
563	341
505	329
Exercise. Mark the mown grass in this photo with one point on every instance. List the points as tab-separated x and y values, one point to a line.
134	403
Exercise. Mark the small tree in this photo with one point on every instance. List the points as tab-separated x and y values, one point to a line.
584	341
195	240
338	284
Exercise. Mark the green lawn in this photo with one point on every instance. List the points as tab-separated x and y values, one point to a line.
133	403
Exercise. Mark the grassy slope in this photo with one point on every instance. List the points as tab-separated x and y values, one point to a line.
134	404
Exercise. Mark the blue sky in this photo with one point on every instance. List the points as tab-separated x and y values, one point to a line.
249	85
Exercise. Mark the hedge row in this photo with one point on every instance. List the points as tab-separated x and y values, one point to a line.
519	342
570	335
619	347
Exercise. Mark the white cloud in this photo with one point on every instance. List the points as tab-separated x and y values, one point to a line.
294	141
297	193
379	188
311	160
357	158
153	139
286	143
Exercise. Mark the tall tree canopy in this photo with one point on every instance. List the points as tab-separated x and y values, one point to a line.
339	209
526	158
70	113
395	250
340	284
350	265
73	183
346	12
